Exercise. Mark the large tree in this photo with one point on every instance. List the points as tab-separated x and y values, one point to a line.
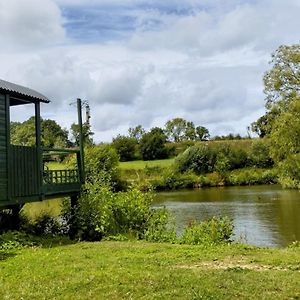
152	145
282	120
281	86
52	134
136	132
176	129
282	81
125	147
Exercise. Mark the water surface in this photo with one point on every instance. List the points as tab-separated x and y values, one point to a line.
263	215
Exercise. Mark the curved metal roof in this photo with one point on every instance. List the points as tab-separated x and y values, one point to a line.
22	91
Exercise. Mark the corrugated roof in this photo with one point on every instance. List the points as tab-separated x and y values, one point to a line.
22	91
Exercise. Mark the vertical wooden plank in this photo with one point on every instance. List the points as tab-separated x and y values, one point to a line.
39	146
7	113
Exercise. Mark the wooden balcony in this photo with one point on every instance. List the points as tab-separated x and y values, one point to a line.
29	180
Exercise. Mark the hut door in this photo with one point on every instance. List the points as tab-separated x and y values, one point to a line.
24	173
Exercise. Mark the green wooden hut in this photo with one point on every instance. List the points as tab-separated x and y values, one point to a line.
23	177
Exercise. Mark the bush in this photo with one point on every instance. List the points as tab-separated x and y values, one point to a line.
103	213
259	155
152	145
289	172
229	158
125	147
199	159
213	231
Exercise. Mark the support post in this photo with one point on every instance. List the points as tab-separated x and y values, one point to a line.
81	141
38	133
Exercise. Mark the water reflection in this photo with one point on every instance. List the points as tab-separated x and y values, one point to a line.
262	215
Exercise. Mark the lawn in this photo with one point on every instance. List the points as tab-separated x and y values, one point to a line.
141	164
141	270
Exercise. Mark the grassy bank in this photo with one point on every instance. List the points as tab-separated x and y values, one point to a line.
140	270
164	178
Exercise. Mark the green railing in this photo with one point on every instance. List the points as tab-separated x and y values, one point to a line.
60	181
60	176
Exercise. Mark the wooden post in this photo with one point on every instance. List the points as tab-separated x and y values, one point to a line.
81	141
38	133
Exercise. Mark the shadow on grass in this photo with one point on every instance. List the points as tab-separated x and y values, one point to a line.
6	255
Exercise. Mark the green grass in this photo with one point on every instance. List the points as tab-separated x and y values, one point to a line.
140	164
140	270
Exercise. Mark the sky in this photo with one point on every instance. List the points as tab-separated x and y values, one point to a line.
146	62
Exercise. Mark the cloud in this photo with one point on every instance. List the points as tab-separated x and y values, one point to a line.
30	23
153	61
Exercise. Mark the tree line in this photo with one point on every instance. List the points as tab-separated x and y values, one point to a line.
157	143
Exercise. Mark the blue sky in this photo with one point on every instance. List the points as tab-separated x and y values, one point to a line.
145	62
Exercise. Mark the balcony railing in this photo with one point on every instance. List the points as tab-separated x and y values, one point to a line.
60	181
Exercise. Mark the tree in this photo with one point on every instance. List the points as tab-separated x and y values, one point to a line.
152	144
281	86
23	134
282	81
52	134
136	132
190	131
87	134
202	133
176	129
125	147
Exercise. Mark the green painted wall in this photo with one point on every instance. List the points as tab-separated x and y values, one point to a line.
3	149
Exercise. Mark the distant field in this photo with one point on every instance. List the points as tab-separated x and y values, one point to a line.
140	164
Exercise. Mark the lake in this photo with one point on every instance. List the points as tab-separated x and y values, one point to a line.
262	215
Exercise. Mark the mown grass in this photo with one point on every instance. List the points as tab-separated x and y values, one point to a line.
141	164
140	270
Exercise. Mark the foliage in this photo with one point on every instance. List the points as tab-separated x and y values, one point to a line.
159	228
282	81
152	145
202	133
213	231
259	155
252	176
136	133
229	158
86	131
45	224
281	122
52	134
175	129
178	130
102	213
15	240
263	126
125	147
289	171
285	135
102	160
199	159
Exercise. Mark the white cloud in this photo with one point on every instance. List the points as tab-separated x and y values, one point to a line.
205	65
30	23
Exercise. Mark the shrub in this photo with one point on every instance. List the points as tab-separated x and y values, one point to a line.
125	147
45	224
289	172
259	155
213	231
229	158
152	145
103	213
199	159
